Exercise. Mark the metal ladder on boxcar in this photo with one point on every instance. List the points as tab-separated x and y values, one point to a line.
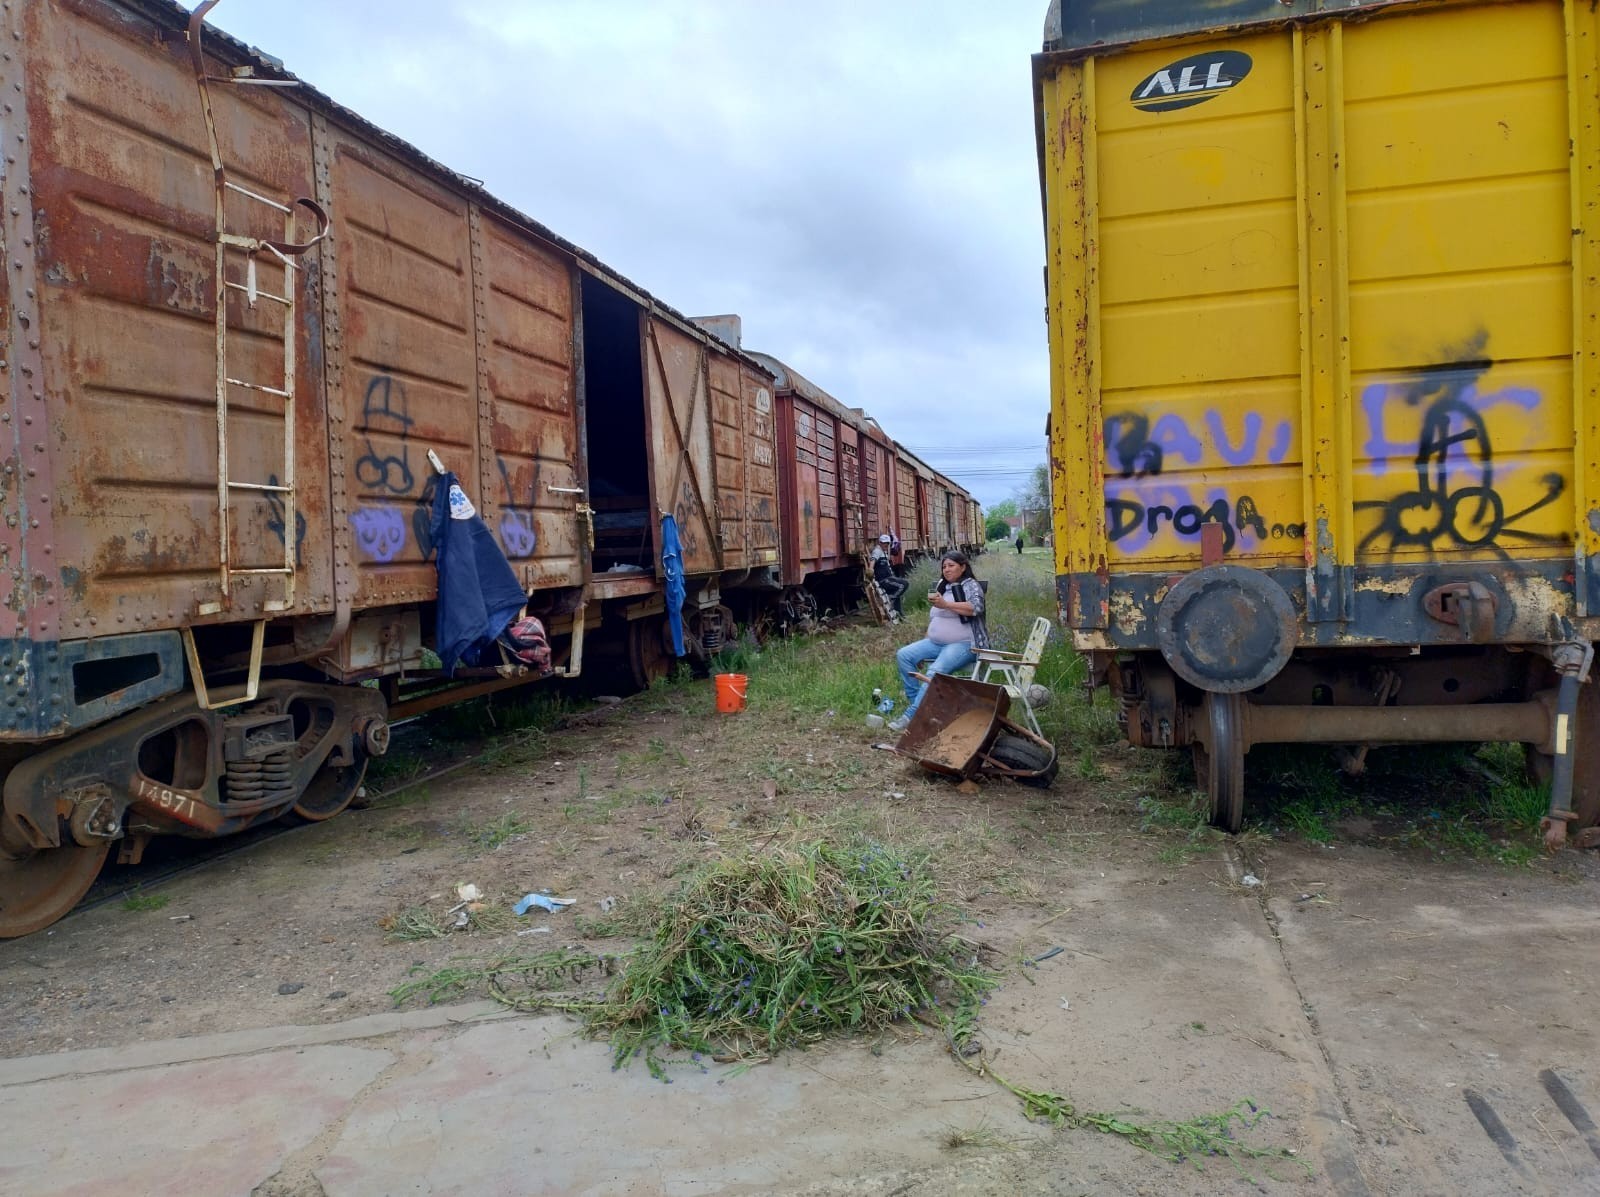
249	249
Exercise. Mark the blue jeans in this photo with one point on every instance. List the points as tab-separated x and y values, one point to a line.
946	658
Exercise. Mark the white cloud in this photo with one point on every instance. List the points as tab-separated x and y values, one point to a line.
856	180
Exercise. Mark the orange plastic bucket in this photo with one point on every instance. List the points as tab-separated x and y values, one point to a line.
730	692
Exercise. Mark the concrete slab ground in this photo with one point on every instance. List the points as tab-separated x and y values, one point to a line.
1401	1027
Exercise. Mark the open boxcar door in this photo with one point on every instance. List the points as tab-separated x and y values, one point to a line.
678	417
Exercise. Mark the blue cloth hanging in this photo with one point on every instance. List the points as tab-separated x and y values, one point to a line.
672	567
479	594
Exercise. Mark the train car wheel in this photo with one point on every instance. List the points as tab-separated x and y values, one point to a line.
41	887
330	792
1220	764
649	656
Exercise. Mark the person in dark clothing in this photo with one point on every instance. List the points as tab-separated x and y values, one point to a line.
883	574
1019	542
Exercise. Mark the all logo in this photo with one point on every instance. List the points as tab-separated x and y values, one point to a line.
1190	81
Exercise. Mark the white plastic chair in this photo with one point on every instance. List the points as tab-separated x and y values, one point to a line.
1015	671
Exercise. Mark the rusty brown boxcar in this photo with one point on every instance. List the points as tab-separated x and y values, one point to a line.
240	319
246	331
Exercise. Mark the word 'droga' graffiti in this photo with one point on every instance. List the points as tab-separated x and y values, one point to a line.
1138	521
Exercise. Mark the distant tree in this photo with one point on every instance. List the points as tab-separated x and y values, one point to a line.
997	528
1033	501
1005	509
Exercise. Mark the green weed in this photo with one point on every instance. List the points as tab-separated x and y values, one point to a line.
141	901
496	832
631	917
412	924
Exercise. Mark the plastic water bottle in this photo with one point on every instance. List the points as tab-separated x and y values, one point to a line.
883	702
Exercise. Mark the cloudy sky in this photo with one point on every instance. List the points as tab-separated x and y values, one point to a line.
856	180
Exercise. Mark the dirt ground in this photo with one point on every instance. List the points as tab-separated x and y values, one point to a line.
1401	1014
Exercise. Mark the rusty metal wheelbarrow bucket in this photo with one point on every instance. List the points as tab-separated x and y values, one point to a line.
956	726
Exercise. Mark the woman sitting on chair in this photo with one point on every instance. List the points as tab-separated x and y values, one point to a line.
955	628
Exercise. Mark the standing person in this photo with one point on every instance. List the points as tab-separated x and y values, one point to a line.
1019	542
956	628
883	573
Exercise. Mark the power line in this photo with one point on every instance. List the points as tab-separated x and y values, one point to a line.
987	472
1039	448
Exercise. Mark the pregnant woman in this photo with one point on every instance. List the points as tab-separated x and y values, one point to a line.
955	628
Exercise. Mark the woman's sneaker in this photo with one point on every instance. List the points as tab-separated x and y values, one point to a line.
900	724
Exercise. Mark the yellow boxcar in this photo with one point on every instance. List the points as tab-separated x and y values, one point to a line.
1324	310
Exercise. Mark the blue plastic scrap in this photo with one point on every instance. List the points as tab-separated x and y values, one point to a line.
543	902
672	567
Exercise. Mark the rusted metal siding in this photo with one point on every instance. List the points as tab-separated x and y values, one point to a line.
878	468
741	429
457	336
939	500
528	356
908	510
761	469
122	191
852	507
409	366
682	464
1086	24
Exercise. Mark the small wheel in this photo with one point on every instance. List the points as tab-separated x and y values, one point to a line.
1019	752
41	887
330	791
649	651
1221	763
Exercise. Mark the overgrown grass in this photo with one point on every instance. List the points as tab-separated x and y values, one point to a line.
836	675
423	922
495	832
1447	799
505	730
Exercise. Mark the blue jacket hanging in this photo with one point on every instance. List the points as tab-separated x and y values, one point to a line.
672	566
479	594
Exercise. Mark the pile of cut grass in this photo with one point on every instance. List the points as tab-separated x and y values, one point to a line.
760	953
782	948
